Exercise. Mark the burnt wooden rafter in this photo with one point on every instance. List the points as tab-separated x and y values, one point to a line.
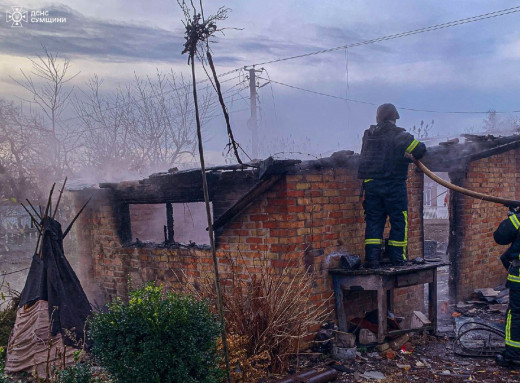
495	150
247	199
225	182
455	157
178	188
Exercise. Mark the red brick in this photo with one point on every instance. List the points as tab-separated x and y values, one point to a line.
254	240
259	217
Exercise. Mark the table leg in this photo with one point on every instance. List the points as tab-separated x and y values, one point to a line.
340	308
381	315
432	301
390	300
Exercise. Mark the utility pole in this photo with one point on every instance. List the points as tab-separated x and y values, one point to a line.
252	123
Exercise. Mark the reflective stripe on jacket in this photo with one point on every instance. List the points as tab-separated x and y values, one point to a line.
505	234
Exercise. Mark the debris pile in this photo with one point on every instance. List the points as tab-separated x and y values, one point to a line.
463	354
408	358
484	303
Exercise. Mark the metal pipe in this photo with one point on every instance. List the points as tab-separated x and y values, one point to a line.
323	376
311	376
298	377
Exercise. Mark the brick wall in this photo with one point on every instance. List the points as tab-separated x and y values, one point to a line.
302	221
475	255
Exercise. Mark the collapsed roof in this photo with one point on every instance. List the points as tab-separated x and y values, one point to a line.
233	187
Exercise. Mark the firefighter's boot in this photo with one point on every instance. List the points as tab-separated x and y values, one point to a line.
397	255
505	361
372	257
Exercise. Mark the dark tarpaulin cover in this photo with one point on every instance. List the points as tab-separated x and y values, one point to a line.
52	279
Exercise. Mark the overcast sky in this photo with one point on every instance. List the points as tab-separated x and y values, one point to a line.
472	67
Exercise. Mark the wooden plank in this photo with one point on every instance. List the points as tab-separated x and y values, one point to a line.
381	315
243	202
432	302
390	300
366	282
389	271
340	308
169	223
407	330
419	277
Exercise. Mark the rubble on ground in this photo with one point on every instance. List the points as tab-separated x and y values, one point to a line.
420	357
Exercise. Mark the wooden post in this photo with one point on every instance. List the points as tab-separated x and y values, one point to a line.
169	222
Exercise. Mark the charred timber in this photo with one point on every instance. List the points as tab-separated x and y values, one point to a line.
248	198
311	376
180	188
455	157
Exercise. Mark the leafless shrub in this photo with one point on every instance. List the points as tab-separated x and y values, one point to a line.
268	315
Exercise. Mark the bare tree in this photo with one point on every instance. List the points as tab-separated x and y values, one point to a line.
19	165
48	86
106	134
423	131
145	126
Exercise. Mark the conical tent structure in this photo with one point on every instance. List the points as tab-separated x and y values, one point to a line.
50	322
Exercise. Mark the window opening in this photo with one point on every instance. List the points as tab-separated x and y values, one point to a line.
169	224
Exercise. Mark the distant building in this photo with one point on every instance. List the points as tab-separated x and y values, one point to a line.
436	198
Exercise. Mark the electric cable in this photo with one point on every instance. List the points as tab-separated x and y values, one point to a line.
375	104
448	24
479	339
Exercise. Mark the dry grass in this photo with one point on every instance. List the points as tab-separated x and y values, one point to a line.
268	315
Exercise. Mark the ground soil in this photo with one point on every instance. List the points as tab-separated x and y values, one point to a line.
436	230
432	360
428	358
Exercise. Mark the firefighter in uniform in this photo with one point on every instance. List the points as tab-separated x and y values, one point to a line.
385	154
505	234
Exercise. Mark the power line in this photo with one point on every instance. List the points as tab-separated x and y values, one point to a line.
272	96
448	24
366	42
375	104
316	92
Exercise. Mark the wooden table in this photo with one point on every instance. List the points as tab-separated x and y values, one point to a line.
384	281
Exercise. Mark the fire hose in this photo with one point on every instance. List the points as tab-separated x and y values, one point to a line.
485	197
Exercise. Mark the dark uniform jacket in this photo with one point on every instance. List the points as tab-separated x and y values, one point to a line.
382	153
505	234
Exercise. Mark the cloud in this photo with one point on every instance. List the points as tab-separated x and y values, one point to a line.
85	36
116	41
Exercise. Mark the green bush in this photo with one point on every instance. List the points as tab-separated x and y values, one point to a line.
3	378
77	373
7	317
157	338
